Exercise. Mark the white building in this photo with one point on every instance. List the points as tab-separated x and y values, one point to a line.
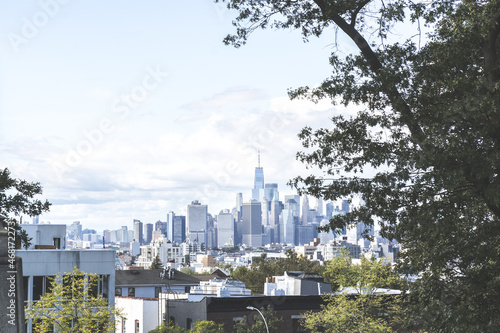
164	249
296	283
141	314
46	236
40	265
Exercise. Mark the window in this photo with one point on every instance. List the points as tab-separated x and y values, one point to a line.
137	327
57	243
118	291
25	285
37	287
189	323
157	292
296	327
124	329
131	291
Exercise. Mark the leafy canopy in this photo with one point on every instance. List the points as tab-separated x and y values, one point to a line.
16	199
72	305
255	275
428	124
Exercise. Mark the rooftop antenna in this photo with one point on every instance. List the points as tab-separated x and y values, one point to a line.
259	158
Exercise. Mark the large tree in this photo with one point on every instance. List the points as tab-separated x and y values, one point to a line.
428	123
72	305
17	197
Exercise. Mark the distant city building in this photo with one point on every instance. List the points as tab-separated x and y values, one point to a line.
148	231
74	230
258	187
305	210
225	229
252	224
196	222
138	231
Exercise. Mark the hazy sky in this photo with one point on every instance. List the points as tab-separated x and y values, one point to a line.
127	109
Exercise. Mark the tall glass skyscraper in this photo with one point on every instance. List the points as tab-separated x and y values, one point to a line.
258	184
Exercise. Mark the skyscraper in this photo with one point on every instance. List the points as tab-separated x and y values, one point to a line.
148	231
196	222
258	185
225	229
305	210
252	224
138	231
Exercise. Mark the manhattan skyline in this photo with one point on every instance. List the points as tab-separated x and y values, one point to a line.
126	110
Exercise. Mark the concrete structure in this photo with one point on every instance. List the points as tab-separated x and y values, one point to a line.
258	187
334	249
220	288
41	265
12	292
47	236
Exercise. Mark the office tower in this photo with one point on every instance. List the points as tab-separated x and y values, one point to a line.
170	225
305	210
252	224
211	235
345	206
265	211
329	210
319	207
74	230
178	229
148	232
290	220
271	193
138	232
36	219
161	227
239	204
124	234
225	229
274	220
106	234
258	185
196	222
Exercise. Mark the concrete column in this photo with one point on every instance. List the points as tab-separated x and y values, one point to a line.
11	285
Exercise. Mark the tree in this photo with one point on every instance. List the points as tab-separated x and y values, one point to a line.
17	198
201	326
156	263
365	310
263	267
72	305
273	321
429	126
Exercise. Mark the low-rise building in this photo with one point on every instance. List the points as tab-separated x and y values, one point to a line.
296	283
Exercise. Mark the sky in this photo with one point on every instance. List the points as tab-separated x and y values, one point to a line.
126	109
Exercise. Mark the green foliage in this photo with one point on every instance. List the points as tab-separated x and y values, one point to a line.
254	276
361	313
341	272
201	326
156	263
71	306
364	312
274	322
429	125
16	199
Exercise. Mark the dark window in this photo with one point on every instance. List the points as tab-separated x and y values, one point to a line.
37	287
157	292
296	327
137	327
118	291
105	286
187	289
49	280
57	243
189	323
131	291
172	321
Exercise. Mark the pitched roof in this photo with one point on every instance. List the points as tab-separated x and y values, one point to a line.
216	274
152	277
